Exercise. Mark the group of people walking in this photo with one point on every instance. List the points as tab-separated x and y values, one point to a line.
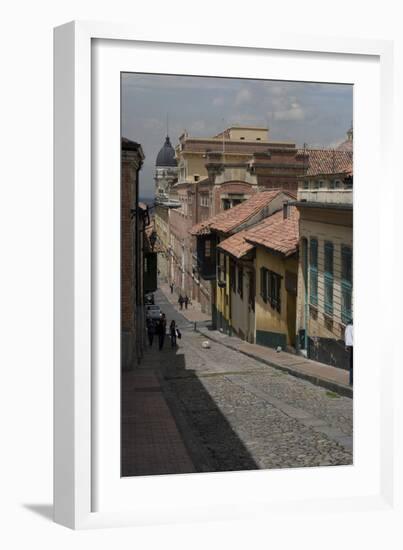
158	327
183	300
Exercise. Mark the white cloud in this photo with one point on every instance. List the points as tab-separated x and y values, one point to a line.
295	112
286	108
153	124
140	82
218	101
196	126
247	118
243	96
277	89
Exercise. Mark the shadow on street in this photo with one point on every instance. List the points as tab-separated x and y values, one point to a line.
168	417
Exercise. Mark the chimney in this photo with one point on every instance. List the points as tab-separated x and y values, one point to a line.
285	210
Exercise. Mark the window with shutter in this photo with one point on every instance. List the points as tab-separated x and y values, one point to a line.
328	278
346	284
251	297
313	272
240	280
232	268
270	288
275	291
263	283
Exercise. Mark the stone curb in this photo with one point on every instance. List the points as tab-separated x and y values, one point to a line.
331	385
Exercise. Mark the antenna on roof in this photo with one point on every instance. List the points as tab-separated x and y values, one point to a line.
167	125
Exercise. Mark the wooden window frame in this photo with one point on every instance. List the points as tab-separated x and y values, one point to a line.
313	272
240	281
328	248
346	283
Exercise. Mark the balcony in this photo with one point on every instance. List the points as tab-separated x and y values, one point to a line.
206	257
339	191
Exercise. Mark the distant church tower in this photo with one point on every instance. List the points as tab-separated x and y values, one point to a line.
166	171
347	145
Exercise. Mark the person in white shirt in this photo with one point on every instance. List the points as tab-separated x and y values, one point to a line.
348	340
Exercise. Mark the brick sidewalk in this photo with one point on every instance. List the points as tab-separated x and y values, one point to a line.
192	314
332	378
151	442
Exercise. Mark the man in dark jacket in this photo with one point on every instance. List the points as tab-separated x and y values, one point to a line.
150	331
162	327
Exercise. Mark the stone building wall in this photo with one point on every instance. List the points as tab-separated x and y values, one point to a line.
131	271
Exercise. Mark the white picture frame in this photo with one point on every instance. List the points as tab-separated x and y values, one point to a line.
87	491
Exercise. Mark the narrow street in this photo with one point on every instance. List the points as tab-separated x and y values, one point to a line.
192	409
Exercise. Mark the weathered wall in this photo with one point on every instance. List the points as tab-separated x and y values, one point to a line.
242	315
131	260
223	299
325	333
161	221
272	327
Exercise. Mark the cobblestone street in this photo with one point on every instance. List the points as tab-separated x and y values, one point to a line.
230	412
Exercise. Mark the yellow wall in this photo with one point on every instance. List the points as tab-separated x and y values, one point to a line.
250	134
267	318
242	315
195	164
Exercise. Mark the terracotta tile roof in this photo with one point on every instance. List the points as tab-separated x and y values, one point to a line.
227	220
329	161
277	233
236	245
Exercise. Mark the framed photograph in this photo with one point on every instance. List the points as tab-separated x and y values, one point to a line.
218	235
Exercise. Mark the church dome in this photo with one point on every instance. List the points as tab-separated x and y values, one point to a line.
166	156
347	145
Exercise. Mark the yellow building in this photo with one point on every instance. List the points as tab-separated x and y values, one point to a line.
236	299
325	283
236	273
238	144
276	265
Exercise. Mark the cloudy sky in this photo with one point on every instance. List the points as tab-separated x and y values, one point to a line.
313	113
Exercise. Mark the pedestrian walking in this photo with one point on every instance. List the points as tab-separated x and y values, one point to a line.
186	300
349	343
171	286
180	301
150	331
162	327
172	332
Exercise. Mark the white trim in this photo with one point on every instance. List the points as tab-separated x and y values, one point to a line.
73	404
